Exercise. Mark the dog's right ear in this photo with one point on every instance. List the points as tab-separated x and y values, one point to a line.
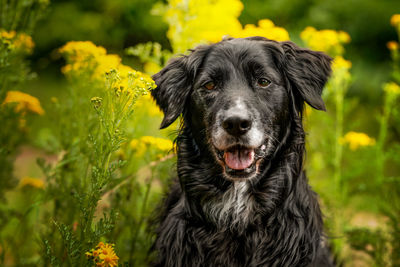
174	84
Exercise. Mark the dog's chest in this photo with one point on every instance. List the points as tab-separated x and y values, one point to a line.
232	208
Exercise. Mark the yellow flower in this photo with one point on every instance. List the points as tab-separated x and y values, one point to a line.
103	255
392	88
144	143
7	35
105	63
87	58
20	41
266	28
356	140
328	41
201	21
340	63
138	147
392	45
32	182
24	102
344	37
395	20
24	42
158	143
77	50
84	56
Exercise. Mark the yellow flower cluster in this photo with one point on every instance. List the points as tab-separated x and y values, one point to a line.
31	182
103	255
266	28
161	145
24	102
202	21
18	41
395	20
392	88
86	57
199	21
328	41
7	35
340	63
356	140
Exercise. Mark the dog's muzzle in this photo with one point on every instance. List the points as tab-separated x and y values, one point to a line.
240	146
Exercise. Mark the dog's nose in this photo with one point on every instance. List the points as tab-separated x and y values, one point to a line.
236	125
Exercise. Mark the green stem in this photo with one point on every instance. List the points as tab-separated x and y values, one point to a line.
338	147
17	15
380	157
141	219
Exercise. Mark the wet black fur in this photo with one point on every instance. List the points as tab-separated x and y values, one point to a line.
285	227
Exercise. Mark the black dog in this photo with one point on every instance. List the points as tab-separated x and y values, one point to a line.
242	198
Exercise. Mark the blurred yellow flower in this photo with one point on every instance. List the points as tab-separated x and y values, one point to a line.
24	102
77	50
392	45
395	20
106	63
340	63
82	55
266	28
103	255
201	21
329	41
7	35
24	42
392	88
31	182
86	57
20	41
137	146
161	145
355	140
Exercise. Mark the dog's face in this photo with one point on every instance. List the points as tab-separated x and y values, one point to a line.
240	96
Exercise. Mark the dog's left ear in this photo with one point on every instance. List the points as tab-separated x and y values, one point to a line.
308	72
174	83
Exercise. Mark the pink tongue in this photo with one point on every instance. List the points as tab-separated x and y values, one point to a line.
239	159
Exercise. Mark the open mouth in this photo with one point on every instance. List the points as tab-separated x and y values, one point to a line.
240	161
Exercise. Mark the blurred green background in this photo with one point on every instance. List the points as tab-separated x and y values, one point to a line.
120	24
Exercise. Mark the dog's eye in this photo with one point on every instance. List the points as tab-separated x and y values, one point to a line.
209	85
263	82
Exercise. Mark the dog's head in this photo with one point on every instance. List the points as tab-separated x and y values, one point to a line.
239	97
